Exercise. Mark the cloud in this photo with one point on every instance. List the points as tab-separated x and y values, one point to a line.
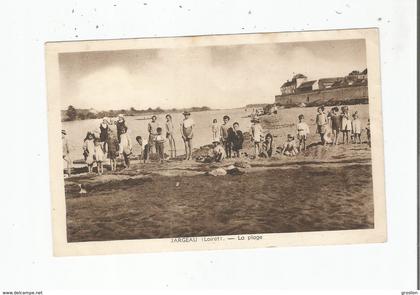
219	77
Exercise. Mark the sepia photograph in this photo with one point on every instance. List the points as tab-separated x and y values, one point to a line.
215	142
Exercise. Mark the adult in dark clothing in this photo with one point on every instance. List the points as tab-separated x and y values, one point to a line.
120	126
236	139
104	130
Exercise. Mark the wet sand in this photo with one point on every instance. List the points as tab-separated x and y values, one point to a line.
323	188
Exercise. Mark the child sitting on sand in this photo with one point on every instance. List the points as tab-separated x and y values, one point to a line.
140	142
289	147
267	146
99	155
89	150
356	126
160	141
302	132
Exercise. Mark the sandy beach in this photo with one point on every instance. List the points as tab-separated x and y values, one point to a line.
322	188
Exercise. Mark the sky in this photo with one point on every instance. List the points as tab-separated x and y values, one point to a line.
219	77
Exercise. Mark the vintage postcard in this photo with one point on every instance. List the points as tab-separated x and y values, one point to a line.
216	142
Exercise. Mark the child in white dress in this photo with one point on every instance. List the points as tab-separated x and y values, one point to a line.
356	125
99	155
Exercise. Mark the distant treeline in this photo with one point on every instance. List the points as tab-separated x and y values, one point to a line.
72	114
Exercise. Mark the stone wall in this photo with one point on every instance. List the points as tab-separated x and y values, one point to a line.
318	97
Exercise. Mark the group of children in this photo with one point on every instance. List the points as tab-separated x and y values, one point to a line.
227	139
349	125
96	149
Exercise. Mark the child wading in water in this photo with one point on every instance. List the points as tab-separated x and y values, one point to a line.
170	135
356	125
335	123
160	144
225	130
215	131
187	134
112	149
99	155
345	123
321	123
237	140
125	147
257	135
302	132
289	147
89	150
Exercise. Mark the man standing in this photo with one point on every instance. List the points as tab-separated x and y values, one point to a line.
187	134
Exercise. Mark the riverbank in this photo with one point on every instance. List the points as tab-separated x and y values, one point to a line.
322	188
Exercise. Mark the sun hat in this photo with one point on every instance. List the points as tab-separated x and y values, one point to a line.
63	132
186	113
120	116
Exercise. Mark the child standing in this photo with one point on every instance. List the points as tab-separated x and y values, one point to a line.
335	123
140	142
89	150
356	125
170	135
215	131
345	123
321	123
160	144
66	151
112	149
237	140
257	135
302	132
187	133
218	153
151	128
225	130
125	147
368	132
99	155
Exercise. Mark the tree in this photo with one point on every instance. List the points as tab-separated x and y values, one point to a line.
71	113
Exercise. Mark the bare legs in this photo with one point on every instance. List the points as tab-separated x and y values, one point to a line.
172	146
188	148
